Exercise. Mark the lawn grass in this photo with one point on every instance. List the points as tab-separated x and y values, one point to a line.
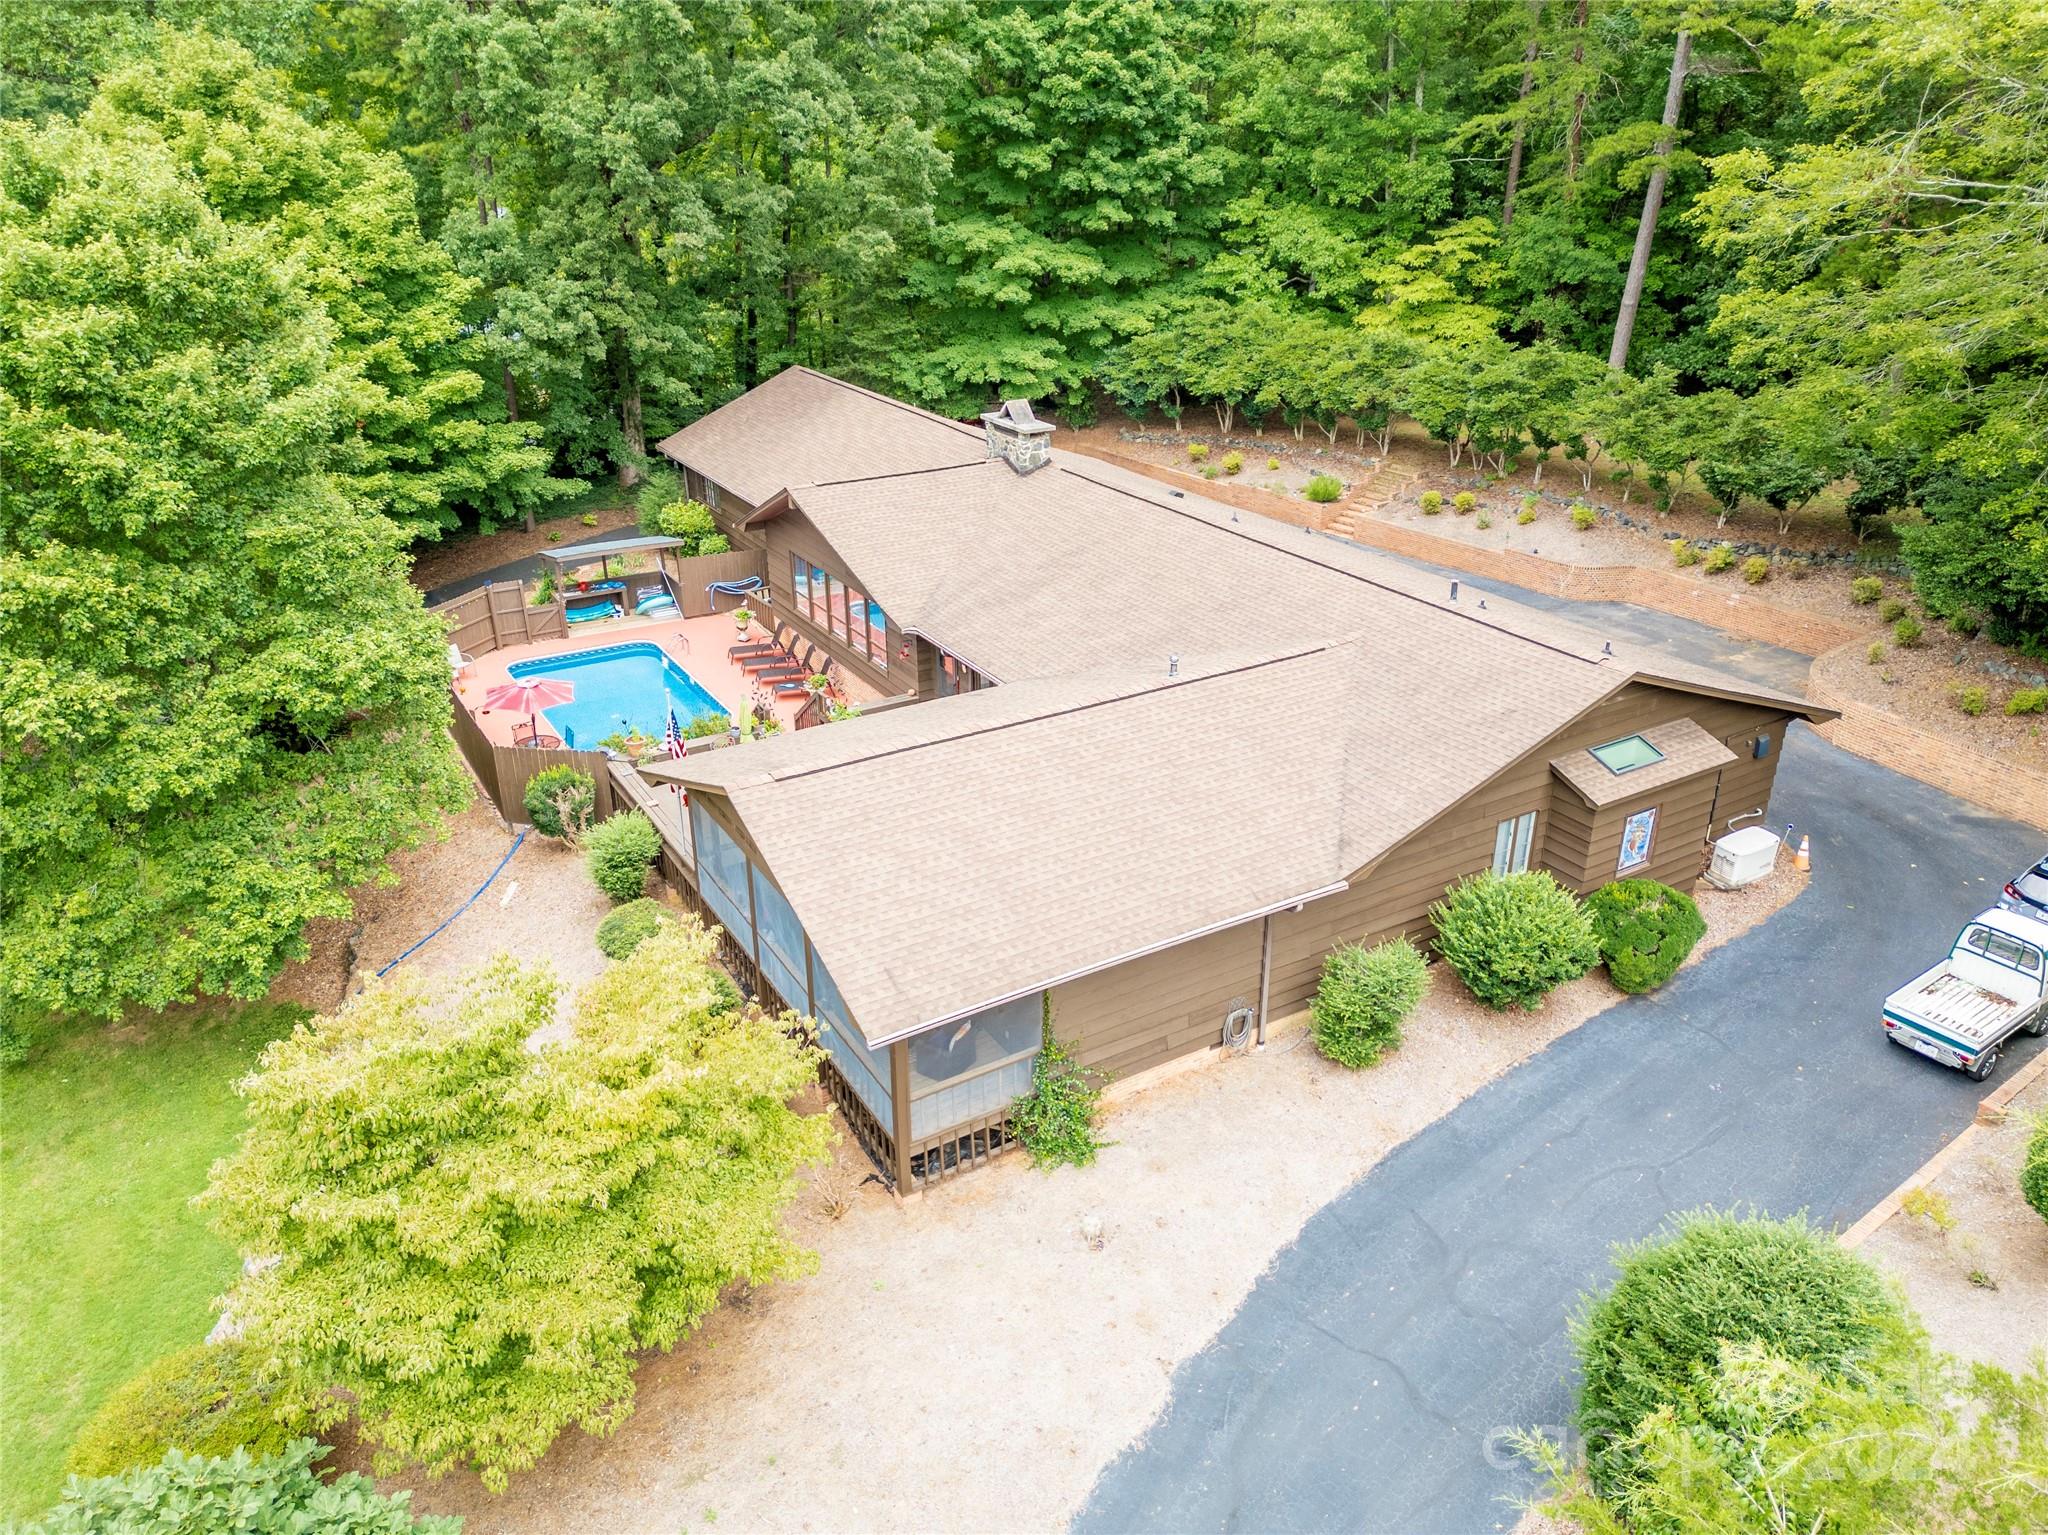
105	1135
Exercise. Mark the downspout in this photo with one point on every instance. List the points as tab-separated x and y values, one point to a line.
1265	974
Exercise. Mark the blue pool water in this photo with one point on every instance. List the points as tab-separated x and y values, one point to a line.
619	687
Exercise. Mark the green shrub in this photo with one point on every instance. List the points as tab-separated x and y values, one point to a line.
1323	487
1432	502
709	723
714	543
1719	558
202	1494
2034	1170
1482	521
621	851
1526	516
1684	553
1529	504
1055	1121
1513	937
1197	451
559	801
1865	590
1876	652
17	1040
626	927
1907	631
1232	462
1645	931
1208	471
1272	463
1711	1279
688	520
1965	624
588	519
1464	501
2028	701
1891	610
203	1400
1756	570
1583	517
1363	996
1971	700
662	488
543	590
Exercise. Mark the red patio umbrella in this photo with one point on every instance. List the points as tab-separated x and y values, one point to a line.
529	698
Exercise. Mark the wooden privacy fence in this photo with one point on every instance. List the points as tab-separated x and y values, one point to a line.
688	578
494	616
505	771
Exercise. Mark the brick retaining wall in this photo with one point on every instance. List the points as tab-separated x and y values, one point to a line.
2006	788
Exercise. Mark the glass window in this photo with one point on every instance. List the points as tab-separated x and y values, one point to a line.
878	634
1511	841
2006	950
1627	754
867	1070
817	595
835	618
782	943
722	865
800	582
962	1071
857	620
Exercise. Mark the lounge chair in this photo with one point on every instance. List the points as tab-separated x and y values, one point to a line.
779	643
771	660
804	661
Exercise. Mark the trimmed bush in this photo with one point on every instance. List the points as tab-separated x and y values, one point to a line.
1891	610
1756	570
1526	516
1323	487
1464	501
1513	937
627	927
1907	631
1876	652
203	1400
1232	462
714	543
1865	590
1645	929
1965	624
1432	502
1530	503
237	1492
1272	463
559	801
1197	451
1719	558
620	852
2034	1170
1363	996
2028	701
1482	521
1683	553
1583	517
1714	1278
1971	700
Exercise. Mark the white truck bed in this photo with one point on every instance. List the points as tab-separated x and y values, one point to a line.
1958	1007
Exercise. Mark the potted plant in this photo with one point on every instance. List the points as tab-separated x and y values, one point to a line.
741	617
817	682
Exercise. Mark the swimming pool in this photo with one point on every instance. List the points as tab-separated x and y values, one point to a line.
619	688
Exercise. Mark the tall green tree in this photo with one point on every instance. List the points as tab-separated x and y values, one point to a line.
1086	176
477	1239
430	440
222	704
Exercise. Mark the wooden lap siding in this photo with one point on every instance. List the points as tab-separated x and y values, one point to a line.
1152	1009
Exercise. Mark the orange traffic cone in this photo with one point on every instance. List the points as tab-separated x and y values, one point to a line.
1805	859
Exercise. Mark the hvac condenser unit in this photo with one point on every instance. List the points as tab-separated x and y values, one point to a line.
1742	858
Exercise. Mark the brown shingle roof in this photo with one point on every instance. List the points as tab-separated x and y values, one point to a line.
1687	750
1329	702
801	427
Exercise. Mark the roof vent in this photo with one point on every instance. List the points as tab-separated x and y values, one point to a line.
1014	433
1173	666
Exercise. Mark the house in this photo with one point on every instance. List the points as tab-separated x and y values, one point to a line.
1162	757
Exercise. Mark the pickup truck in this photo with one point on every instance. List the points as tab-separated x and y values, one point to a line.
1993	984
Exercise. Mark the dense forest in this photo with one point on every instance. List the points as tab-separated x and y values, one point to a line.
355	273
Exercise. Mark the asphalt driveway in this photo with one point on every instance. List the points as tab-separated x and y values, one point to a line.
1366	1381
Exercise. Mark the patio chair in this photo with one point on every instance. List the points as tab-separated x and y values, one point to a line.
527	735
771	660
801	661
778	643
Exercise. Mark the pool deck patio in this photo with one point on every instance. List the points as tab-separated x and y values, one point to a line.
697	645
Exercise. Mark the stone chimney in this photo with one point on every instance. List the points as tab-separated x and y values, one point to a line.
1016	434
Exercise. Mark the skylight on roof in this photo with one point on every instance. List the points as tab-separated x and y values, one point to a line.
1627	754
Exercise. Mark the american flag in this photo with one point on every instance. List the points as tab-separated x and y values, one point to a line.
676	746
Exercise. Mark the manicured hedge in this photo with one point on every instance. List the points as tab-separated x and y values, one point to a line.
1645	931
1363	996
1513	937
204	1400
627	927
550	790
1711	1279
620	852
2034	1172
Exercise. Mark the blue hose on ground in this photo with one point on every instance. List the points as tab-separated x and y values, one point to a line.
465	906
